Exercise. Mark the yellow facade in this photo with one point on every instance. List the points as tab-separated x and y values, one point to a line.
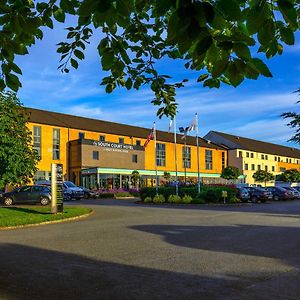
250	161
69	134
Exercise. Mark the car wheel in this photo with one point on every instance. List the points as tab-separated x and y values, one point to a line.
276	198
44	201
254	199
8	201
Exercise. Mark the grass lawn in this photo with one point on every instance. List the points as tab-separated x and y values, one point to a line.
13	216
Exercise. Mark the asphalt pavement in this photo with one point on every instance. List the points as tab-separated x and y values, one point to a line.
132	251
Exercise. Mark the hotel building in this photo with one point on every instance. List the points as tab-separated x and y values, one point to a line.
97	153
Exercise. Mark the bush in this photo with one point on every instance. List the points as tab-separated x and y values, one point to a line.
174	199
123	194
105	195
148	200
234	199
198	201
159	199
212	196
187	199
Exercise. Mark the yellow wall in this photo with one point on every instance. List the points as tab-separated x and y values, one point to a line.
73	134
234	159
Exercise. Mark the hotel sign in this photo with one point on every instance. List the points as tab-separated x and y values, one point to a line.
113	145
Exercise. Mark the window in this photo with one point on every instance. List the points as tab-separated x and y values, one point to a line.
273	169
253	167
186	157
262	156
208	159
258	167
102	138
251	155
223	160
282	169
246	167
56	143
290	160
247	154
134	158
81	135
275	158
266	157
287	160
121	140
37	134
266	168
138	142
96	155
240	154
160	154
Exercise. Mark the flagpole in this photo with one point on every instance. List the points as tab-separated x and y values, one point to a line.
175	151
198	156
156	176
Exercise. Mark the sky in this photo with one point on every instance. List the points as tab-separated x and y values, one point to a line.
251	110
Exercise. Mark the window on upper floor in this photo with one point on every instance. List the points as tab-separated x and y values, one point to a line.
247	154
223	160
287	160
275	158
266	168
186	157
266	157
240	154
252	155
102	138
160	154
56	143
262	156
258	167
253	167
37	140
138	142
81	135
246	167
134	158
96	155
282	169
121	140
208	160
273	168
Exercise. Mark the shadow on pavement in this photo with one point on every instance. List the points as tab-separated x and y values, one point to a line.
34	273
264	241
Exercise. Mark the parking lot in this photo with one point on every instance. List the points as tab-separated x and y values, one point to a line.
131	251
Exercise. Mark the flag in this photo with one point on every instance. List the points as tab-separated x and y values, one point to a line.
149	137
193	124
184	131
170	125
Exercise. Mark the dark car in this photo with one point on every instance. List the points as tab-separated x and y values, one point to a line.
87	193
259	194
280	193
295	192
243	194
28	195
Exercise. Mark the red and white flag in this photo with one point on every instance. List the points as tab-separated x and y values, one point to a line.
149	137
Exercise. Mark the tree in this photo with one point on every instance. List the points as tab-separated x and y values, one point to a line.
217	38
18	159
135	175
263	176
230	173
290	176
295	123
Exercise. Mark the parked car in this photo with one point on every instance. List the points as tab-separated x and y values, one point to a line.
295	192
243	194
258	194
28	194
280	193
87	193
70	190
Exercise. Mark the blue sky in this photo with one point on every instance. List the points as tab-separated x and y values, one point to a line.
253	109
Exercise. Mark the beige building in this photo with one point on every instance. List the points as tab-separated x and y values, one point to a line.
251	155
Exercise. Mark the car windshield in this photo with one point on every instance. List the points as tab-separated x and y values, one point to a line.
69	184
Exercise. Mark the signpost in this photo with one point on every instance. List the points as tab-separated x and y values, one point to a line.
56	188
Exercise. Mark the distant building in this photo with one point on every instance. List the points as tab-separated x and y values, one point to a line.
104	154
251	155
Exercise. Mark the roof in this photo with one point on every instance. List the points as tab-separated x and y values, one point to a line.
259	146
75	122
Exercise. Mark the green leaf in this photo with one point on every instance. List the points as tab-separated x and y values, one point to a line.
203	45
59	15
219	67
260	66
230	9
234	75
12	81
128	84
212	83
289	12
202	77
267	32
15	68
107	60
241	50
287	35
74	63
257	16
79	54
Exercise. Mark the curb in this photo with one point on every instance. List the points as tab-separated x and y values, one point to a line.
195	204
47	222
